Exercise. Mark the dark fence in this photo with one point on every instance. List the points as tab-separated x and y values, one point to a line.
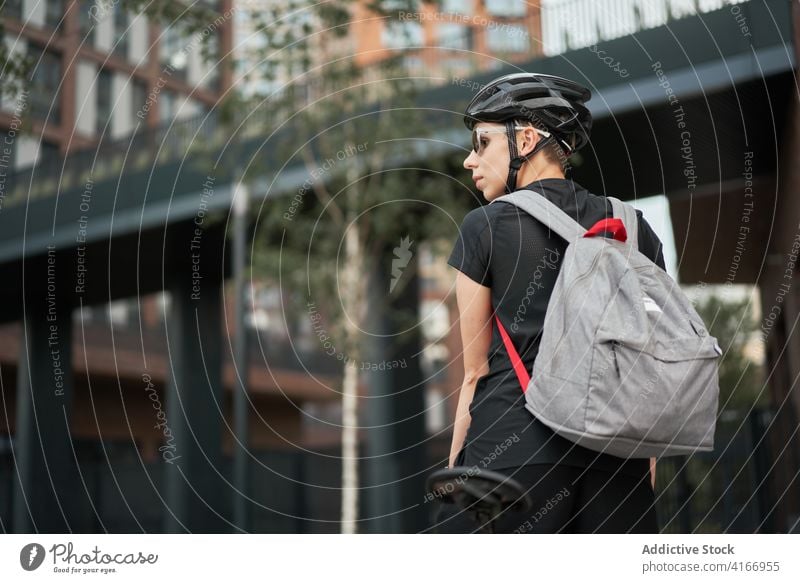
291	492
725	491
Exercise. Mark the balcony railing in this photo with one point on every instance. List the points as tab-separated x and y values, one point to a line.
139	151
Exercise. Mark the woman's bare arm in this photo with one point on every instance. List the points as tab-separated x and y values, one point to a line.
474	317
653	472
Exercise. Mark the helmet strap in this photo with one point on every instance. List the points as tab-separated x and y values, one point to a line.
517	161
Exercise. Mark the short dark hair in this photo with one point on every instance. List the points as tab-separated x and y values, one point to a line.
553	152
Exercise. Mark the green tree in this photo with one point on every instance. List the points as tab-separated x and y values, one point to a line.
14	71
741	380
373	189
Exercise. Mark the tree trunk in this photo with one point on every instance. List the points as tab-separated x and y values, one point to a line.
352	294
349	449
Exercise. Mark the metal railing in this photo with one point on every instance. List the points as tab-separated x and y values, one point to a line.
136	152
725	490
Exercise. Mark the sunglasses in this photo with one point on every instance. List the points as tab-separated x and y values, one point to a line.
478	145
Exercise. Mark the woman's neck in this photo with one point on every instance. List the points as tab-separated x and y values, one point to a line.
531	172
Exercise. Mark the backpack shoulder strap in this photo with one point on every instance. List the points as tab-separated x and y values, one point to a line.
545	211
519	367
627	213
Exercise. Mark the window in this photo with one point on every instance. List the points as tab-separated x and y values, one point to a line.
54	12
210	52
402	5
398	35
45	79
86	23
138	100
13	9
455	36
49	154
121	23
167	105
508	39
506	8
173	51
455	7
103	101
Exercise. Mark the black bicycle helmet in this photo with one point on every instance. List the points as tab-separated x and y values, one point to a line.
551	103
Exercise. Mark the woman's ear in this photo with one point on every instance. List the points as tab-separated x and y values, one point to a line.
526	140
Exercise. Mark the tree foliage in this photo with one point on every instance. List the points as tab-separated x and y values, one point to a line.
363	141
741	380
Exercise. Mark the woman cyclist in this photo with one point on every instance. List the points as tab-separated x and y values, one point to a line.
524	128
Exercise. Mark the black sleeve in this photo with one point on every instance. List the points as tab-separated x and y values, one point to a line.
649	243
472	249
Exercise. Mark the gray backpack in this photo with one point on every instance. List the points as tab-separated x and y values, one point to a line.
625	365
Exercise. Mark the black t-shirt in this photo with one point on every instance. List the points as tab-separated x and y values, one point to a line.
502	247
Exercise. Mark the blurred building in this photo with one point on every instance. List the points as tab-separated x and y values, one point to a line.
437	42
451	39
101	73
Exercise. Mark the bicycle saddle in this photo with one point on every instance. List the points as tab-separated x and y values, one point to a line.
483	493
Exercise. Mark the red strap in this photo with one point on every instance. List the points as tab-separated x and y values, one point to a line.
614	226
516	361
